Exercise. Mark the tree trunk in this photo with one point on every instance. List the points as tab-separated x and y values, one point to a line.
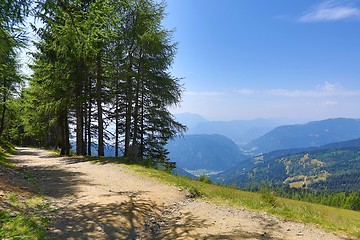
142	144
129	95
128	124
136	115
67	135
83	149
79	129
64	133
100	111
117	125
79	111
85	127
136	111
2	124
61	132
89	119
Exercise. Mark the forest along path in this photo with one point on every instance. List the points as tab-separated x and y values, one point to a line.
108	201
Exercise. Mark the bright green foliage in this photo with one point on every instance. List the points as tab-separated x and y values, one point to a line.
98	62
12	38
10	78
143	87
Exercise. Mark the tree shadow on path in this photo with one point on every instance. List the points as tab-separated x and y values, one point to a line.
135	218
50	180
131	217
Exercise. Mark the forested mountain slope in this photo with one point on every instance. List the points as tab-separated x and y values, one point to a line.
324	168
312	134
202	151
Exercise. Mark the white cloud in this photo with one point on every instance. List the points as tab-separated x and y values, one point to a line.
329	87
205	94
246	91
289	93
311	93
329	103
324	90
331	10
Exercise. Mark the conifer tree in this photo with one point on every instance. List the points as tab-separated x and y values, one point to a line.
149	87
12	14
105	61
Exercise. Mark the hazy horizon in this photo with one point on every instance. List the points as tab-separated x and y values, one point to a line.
284	120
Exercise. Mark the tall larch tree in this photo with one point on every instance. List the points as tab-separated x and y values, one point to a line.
150	88
100	63
12	14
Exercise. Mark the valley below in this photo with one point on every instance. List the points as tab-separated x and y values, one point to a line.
319	155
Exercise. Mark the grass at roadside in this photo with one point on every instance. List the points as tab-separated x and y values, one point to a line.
21	213
6	149
22	217
335	220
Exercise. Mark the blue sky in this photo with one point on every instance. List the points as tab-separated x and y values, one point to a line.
245	59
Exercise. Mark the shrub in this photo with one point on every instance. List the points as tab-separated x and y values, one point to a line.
193	192
205	179
268	196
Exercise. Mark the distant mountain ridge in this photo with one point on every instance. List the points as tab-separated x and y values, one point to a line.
312	134
190	119
333	167
202	151
240	131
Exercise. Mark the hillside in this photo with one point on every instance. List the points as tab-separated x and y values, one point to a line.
312	134
324	168
202	151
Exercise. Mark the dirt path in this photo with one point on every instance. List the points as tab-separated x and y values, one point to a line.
106	201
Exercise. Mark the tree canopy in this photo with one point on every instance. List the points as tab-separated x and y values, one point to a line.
101	75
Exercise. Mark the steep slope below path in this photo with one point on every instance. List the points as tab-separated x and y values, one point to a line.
107	201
